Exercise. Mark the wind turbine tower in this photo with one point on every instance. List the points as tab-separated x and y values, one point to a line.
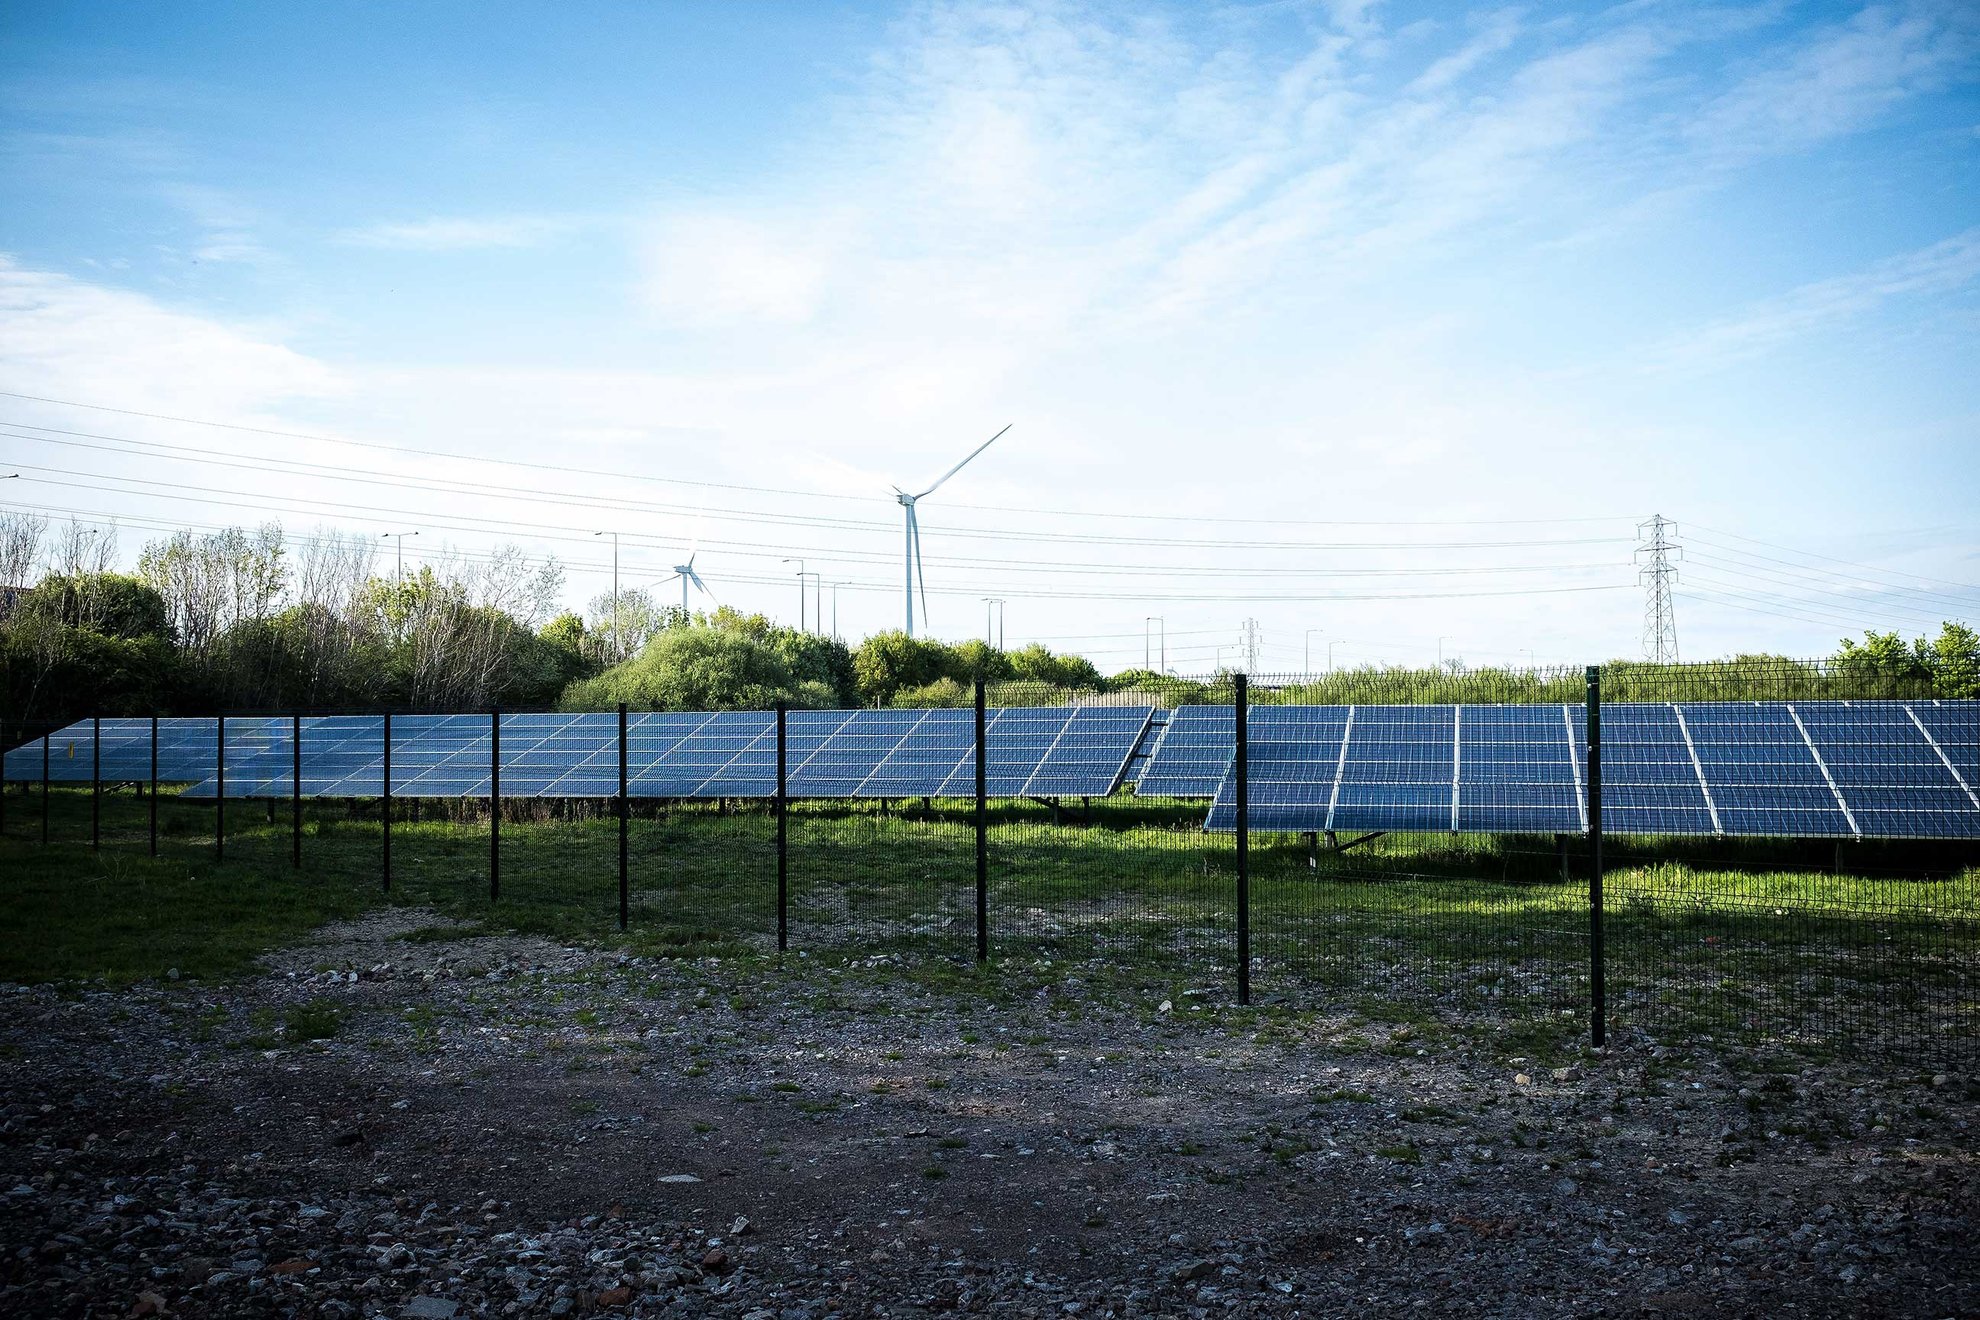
912	551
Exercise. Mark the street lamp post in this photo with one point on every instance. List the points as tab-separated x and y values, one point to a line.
1162	630
399	538
835	607
1309	650
1440	649
618	635
995	638
800	576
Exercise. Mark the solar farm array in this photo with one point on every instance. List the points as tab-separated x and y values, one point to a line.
1803	769
1816	769
1062	751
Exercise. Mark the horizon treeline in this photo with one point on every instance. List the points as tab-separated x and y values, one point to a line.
241	620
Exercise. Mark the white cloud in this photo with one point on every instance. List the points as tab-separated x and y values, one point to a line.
69	339
460	234
1845	77
1825	304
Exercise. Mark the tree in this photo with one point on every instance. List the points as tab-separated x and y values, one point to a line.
110	604
215	582
1883	665
1954	659
704	667
1035	664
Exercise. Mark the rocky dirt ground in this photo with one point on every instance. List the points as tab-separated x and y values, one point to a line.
436	1126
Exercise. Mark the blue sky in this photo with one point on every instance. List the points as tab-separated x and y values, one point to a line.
1327	315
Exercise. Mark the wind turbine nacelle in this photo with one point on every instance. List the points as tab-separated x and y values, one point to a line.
906	499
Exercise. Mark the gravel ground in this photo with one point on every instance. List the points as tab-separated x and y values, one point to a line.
507	1127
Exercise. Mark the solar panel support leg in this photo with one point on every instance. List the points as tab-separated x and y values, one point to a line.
494	805
625	895
1333	840
1312	842
295	791
1597	971
95	782
783	838
151	798
219	788
982	835
385	806
44	787
1241	781
1561	853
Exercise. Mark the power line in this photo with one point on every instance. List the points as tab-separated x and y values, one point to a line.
1846	563
773	490
273	466
565	531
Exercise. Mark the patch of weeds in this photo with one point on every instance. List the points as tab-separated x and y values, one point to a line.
584	1108
953	1143
934	1173
700	1126
1400	1154
786	1087
1343	1095
937	1083
319	1019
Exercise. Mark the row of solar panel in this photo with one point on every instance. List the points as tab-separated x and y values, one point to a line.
1067	751
1802	769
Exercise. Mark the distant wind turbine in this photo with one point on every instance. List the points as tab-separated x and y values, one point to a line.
687	575
912	552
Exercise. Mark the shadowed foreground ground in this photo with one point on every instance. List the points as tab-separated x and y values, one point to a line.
510	1126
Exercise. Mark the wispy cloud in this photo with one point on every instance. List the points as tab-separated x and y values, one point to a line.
1844	77
1826	304
462	233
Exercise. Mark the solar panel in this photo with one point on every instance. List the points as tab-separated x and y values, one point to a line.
1799	769
1807	769
1190	757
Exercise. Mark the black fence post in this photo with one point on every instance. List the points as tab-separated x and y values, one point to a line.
295	790
3	778
219	788
625	896
44	784
152	792
982	836
783	833
385	804
95	782
1241	784
494	805
1597	971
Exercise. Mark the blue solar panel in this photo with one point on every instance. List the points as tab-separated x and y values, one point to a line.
1843	769
1190	757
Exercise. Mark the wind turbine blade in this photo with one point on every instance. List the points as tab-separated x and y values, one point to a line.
696	579
921	578
960	466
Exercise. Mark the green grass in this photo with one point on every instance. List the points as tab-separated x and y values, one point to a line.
1394	934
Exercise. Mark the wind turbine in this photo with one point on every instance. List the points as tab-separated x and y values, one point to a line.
912	549
685	572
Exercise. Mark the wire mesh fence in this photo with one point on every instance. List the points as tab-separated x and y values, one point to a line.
1766	851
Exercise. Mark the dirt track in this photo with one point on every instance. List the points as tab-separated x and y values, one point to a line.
492	1123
